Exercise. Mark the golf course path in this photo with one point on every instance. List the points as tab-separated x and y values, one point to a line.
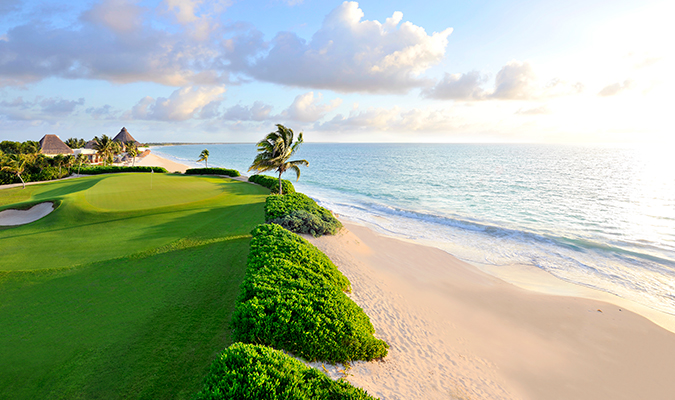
20	217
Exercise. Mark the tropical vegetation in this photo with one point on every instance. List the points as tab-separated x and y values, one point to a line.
274	152
75	143
204	156
35	165
213	171
293	300
272	183
300	214
251	372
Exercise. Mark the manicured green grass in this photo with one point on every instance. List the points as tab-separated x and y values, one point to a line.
119	299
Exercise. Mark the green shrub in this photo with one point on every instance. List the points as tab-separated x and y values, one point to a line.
245	371
270	242
273	183
292	299
300	214
213	171
109	169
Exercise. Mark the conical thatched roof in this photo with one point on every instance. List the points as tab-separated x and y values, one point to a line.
90	145
52	145
124	136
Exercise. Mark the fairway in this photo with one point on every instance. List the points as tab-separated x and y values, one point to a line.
123	291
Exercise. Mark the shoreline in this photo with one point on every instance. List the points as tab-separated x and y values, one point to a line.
455	330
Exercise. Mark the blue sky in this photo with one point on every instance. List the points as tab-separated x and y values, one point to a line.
395	71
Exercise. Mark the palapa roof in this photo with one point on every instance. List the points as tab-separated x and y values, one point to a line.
124	136
90	144
52	145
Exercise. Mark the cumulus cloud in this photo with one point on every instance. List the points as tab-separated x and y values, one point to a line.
259	111
307	108
109	42
515	81
615	88
459	87
181	105
346	54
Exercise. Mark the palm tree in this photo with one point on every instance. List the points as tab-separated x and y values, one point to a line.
274	152
104	147
132	151
15	164
59	161
204	156
79	159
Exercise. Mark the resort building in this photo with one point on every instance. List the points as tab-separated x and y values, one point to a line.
51	145
124	136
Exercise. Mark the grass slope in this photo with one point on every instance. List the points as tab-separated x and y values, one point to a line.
110	298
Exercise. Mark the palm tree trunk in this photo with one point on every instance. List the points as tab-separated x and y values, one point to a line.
133	163
280	182
24	183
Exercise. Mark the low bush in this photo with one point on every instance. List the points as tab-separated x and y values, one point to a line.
245	371
270	242
273	183
300	214
292	299
110	169
213	171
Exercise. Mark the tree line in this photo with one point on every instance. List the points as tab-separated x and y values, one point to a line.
22	162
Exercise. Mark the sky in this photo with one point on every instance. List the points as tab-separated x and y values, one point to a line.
590	71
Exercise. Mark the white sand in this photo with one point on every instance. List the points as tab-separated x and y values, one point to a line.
19	217
152	160
457	332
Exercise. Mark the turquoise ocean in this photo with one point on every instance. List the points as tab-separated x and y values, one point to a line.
596	216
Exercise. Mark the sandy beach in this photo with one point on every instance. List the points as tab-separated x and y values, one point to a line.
457	332
152	160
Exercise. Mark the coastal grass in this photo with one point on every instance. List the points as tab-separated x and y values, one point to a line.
122	293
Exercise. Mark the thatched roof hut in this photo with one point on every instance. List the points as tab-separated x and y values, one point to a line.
90	145
51	145
124	136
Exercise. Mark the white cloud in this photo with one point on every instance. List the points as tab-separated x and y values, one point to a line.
346	54
459	87
307	108
181	105
49	108
515	81
393	119
259	111
109	42
120	16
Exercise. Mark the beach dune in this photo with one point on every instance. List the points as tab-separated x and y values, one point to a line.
456	332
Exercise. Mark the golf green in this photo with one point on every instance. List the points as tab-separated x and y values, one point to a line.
122	291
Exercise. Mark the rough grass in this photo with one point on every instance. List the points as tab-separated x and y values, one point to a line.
121	304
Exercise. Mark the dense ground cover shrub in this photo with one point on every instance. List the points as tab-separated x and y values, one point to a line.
270	242
245	371
109	169
273	183
290	300
213	171
300	214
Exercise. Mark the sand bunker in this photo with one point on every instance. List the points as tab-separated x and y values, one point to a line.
20	217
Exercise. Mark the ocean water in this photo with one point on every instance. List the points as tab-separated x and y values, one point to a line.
597	216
